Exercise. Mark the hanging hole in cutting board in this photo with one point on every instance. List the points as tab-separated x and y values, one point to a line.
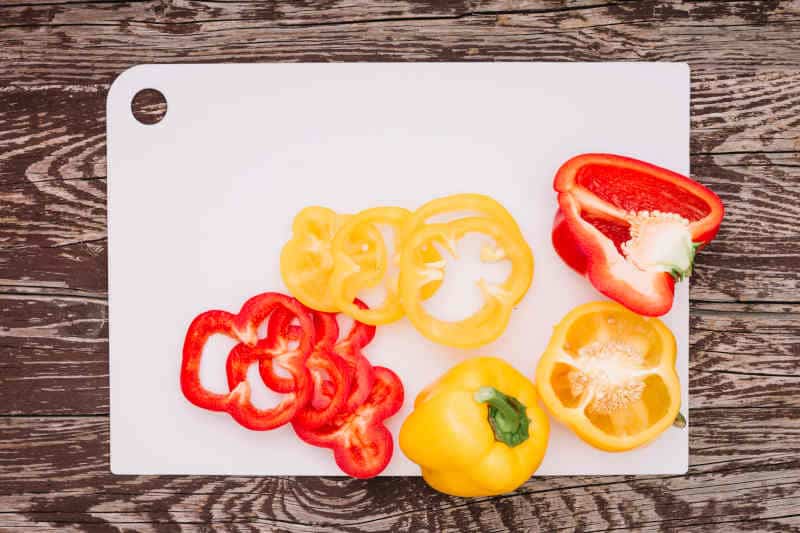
149	106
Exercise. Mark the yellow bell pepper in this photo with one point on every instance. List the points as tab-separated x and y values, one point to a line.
609	375
488	323
478	430
307	258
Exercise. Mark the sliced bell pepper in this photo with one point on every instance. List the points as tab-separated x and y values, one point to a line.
478	430
307	259
354	378
242	327
328	371
632	228
349	276
248	415
361	443
609	375
349	348
490	321
465	204
471	204
280	328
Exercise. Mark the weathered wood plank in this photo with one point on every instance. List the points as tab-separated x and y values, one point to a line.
53	355
744	467
745	111
757	252
97	41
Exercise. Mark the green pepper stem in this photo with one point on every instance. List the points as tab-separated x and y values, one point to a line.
507	416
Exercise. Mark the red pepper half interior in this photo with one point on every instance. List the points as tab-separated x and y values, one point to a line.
632	190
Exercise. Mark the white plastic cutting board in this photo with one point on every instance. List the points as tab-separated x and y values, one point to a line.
201	203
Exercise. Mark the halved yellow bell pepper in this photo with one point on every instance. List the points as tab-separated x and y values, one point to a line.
478	430
609	375
491	320
307	258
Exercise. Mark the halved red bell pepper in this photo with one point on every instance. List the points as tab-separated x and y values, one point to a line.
362	445
243	327
632	228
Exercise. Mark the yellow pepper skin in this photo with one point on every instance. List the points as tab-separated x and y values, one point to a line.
307	258
489	322
450	436
349	277
479	204
609	375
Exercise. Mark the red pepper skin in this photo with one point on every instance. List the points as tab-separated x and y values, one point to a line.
336	380
349	348
362	445
243	410
243	328
595	191
329	372
326	331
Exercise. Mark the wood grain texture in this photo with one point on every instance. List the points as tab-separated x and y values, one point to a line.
734	477
95	41
57	60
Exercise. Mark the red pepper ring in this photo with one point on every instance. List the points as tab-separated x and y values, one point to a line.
360	334
329	373
349	349
353	379
243	328
362	445
358	369
326	331
247	414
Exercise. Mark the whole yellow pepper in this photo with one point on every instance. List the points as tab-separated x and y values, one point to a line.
478	430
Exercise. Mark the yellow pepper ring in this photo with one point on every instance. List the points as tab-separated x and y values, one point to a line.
468	202
307	261
609	375
460	203
349	277
490	321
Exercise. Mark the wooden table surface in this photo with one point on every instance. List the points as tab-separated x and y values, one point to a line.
57	59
